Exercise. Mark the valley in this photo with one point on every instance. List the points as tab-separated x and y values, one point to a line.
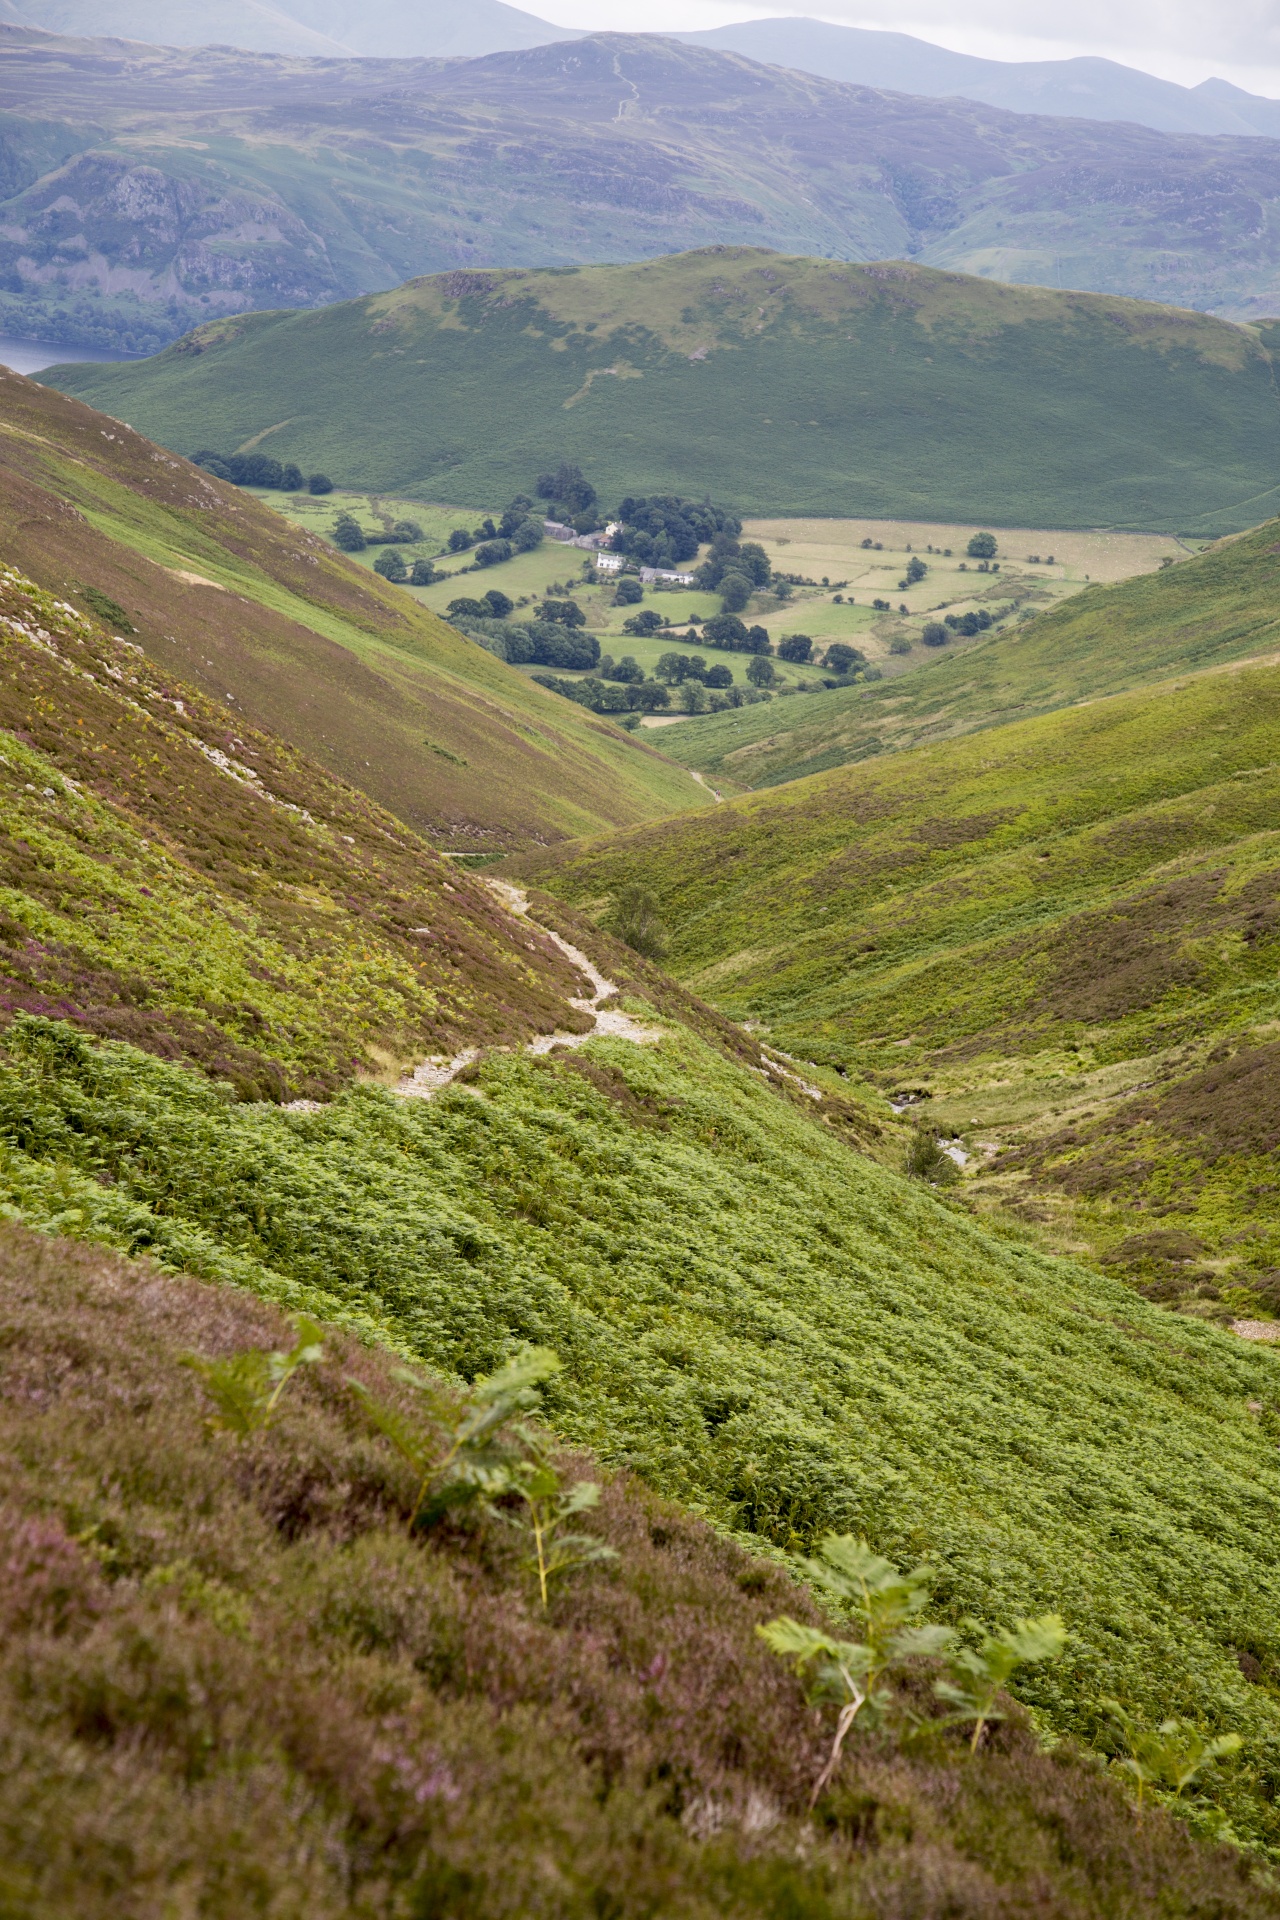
639	992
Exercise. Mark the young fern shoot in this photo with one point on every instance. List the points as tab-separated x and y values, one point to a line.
849	1674
550	1506
977	1674
246	1387
1173	1756
462	1450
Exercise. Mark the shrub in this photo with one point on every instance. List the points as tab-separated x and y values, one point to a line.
291	478
493	552
735	591
465	608
840	658
927	1160
982	546
693	697
635	919
424	574
725	630
565	613
499	603
391	566
718	676
644	622
796	647
460	541
348	535
916	570
319	483
761	671
934	634
108	611
628	592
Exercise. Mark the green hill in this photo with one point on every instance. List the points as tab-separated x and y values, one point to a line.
1220	606
226	1668
287	635
783	385
755	1314
1062	930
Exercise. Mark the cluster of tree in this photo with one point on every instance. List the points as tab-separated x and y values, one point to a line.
644	622
726	631
539	643
352	538
628	592
391	565
663	530
518	531
676	668
651	696
734	570
260	470
916	570
570	497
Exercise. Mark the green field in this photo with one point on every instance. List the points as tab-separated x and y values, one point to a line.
1205	611
781	385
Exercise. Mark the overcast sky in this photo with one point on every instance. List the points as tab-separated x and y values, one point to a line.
1185	40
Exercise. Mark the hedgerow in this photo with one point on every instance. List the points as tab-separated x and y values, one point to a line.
789	1338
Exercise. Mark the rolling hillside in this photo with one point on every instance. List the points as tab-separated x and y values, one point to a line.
1204	612
1057	938
784	385
146	189
283	632
644	1203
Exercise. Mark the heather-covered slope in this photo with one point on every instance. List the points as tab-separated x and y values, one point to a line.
1063	930
175	878
227	1670
284	632
779	383
1223	605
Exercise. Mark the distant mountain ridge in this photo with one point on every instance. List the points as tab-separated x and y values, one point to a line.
1084	88
147	190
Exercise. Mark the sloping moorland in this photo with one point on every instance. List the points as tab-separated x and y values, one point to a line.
754	1315
780	384
1063	930
1203	612
230	1677
287	635
147	188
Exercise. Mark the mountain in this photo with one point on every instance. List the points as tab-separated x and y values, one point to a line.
787	385
277	627
1085	88
1208	611
297	27
1056	936
146	190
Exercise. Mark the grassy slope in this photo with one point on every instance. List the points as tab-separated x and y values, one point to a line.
789	385
201	889
1218	607
1036	921
227	1671
237	602
647	1210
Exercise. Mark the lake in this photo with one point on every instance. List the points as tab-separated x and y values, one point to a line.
28	356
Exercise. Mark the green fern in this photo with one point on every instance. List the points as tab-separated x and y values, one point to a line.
1171	1757
977	1674
246	1387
